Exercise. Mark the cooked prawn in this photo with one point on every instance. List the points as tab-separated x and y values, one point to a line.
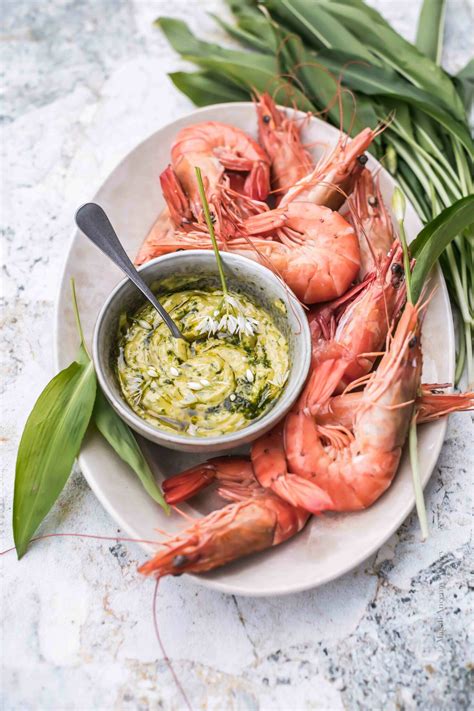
354	328
371	221
163	229
430	405
351	467
318	255
334	176
255	520
280	135
355	467
319	252
215	148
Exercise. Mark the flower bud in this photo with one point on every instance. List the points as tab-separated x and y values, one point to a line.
398	204
391	160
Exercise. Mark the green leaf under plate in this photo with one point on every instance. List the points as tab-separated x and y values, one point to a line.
435	237
121	439
203	88
49	445
399	54
429	35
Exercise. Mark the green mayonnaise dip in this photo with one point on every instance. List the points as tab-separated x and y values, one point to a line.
209	384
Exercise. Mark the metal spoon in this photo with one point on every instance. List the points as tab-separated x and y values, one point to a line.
92	220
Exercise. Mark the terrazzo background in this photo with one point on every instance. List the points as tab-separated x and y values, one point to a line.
85	81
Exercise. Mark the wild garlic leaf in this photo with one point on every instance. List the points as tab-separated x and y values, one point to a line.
435	237
49	445
122	440
203	89
429	34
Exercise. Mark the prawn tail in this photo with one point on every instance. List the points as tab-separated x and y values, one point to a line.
186	484
323	381
257	183
265	221
324	317
176	199
302	493
431	405
229	471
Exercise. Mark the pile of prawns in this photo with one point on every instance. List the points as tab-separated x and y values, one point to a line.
330	237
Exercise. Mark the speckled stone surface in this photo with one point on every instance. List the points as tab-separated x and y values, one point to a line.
84	82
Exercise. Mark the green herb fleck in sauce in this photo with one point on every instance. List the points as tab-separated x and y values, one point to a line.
210	384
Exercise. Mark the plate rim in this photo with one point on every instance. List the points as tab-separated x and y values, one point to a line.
86	469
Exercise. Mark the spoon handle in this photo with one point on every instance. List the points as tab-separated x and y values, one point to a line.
92	220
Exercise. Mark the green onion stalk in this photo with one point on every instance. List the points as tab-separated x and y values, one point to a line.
399	208
210	227
442	186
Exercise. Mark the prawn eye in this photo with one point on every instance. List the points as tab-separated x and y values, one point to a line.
362	160
412	342
266	119
180	560
372	200
397	275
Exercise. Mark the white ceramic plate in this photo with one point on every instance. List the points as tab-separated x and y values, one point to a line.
331	544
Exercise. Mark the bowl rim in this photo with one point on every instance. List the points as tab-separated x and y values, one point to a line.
250	431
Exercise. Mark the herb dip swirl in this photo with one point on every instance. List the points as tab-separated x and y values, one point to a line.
211	383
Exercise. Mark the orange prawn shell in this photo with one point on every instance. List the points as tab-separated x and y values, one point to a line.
256	520
371	220
355	468
319	256
214	147
281	137
334	177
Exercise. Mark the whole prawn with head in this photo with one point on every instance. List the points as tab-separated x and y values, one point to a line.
228	159
372	222
316	252
354	328
335	468
280	134
256	519
220	151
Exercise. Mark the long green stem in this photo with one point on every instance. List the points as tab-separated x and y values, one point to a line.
461	296
469	359
419	499
210	227
441	166
410	160
406	260
463	168
398	206
77	317
443	162
412	198
461	355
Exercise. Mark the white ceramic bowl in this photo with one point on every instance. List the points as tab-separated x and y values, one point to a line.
330	545
261	285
